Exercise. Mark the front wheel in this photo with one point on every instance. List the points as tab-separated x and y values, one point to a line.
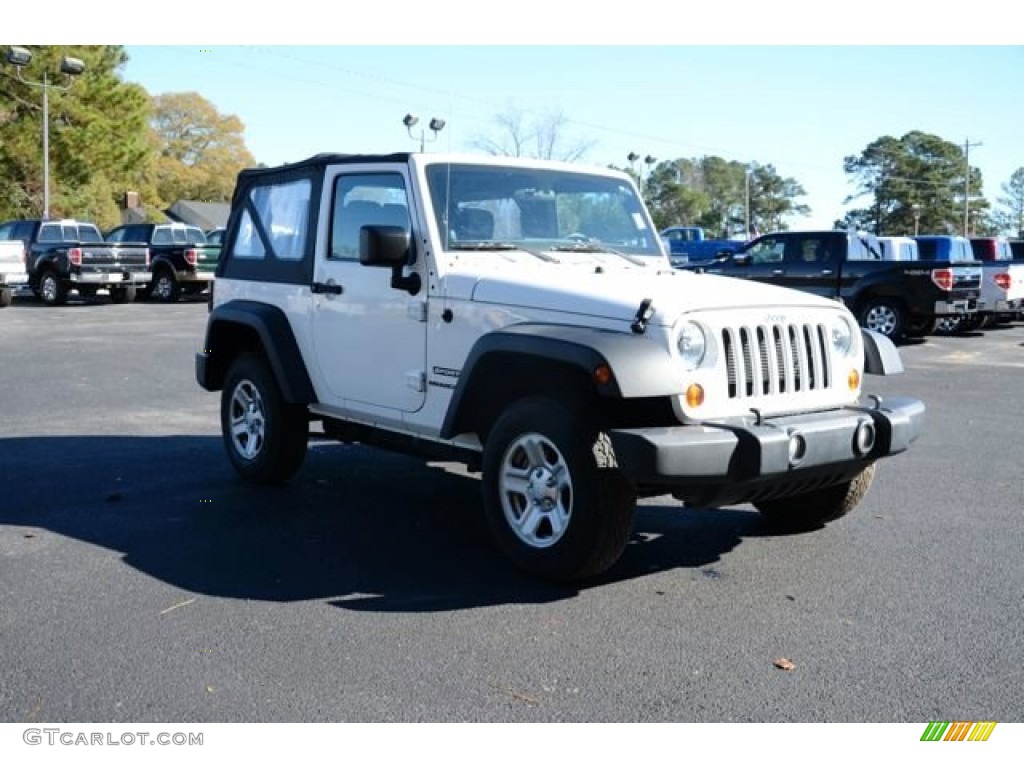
265	437
815	508
884	317
556	503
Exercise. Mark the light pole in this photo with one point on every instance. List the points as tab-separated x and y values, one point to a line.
70	67
435	125
917	218
633	157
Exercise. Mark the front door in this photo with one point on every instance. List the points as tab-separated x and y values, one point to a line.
370	338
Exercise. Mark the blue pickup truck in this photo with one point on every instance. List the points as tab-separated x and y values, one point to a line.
689	245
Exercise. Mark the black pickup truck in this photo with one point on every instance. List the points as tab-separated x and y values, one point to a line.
182	260
65	255
894	298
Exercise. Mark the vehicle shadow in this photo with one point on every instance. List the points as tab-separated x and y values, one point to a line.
363	529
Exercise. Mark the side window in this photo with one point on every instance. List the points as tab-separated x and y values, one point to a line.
283	214
116	235
768	251
364	200
162	236
808	250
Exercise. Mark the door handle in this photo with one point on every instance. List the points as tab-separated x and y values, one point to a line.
778	271
826	271
330	287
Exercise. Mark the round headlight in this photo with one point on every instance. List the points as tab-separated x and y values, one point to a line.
691	344
842	336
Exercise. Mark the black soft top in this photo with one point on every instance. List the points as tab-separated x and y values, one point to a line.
317	163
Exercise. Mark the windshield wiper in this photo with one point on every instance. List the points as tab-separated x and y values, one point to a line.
491	245
592	248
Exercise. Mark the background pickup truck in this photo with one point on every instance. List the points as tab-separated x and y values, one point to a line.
12	269
689	245
182	260
1002	282
894	298
70	255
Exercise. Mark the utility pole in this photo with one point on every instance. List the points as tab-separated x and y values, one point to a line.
967	184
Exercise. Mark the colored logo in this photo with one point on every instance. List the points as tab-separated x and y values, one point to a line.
958	731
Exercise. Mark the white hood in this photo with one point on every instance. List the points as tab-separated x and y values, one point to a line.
615	292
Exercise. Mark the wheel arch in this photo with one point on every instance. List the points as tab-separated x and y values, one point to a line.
568	361
241	326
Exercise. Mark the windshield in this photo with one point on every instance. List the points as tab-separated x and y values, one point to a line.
537	210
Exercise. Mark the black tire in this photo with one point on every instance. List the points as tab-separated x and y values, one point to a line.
917	327
6	296
87	291
572	514
972	323
52	291
122	294
884	316
814	509
165	287
264	436
950	325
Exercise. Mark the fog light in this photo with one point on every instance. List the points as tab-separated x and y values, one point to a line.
797	448
864	438
695	395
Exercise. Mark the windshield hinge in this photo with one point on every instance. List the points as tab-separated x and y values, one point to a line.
643	316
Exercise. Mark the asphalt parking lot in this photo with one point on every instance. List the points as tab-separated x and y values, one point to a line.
142	582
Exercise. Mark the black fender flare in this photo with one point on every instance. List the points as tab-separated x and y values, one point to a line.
881	357
639	365
271	327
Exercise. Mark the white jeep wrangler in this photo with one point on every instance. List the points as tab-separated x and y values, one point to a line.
522	317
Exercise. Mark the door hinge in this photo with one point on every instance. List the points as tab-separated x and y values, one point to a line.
416	380
416	309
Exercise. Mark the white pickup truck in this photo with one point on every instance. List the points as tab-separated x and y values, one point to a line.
12	269
1002	282
522	316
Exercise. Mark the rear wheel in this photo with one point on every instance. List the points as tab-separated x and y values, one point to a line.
950	324
51	290
556	503
5	296
883	316
265	437
920	326
165	287
810	510
122	294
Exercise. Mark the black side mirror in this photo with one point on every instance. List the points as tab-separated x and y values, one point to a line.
741	259
389	246
725	255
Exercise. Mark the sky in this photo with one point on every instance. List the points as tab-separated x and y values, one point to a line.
639	80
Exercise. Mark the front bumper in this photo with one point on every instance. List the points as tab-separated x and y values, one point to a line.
737	460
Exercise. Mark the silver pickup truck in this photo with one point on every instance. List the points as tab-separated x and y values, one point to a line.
12	269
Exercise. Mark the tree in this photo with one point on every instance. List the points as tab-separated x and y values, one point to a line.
97	133
543	137
1010	216
711	192
199	150
918	171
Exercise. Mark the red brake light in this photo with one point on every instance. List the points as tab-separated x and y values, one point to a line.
191	256
24	256
943	278
75	256
147	258
1003	280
